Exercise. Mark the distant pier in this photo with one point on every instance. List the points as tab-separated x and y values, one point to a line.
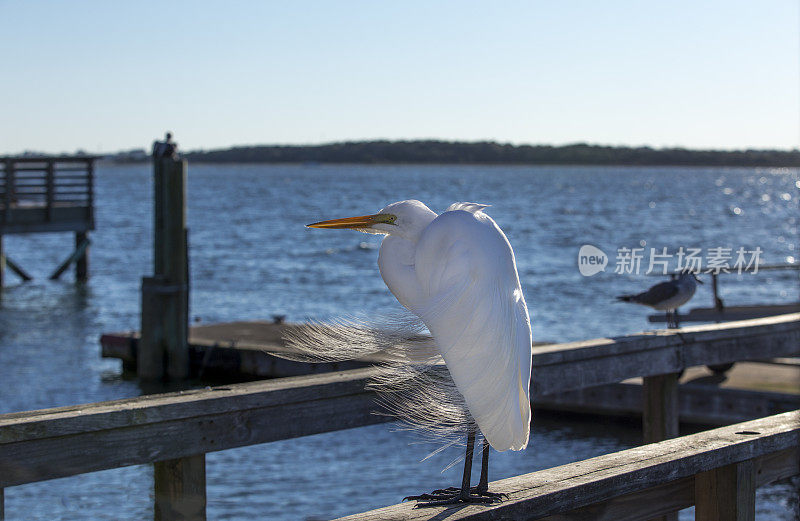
48	194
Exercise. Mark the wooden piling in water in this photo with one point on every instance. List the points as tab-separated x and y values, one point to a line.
164	348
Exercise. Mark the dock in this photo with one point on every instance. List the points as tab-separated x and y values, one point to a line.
45	194
245	351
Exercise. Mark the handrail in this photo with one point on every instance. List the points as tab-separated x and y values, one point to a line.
715	470
49	443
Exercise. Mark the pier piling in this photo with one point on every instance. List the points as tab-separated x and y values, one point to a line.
164	349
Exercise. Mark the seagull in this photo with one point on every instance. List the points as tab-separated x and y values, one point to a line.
456	273
667	296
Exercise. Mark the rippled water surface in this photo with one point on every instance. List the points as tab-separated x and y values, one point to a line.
251	258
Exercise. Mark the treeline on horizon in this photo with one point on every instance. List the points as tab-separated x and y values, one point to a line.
437	152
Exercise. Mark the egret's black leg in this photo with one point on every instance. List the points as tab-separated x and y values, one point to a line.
483	484
465	494
676	318
467	466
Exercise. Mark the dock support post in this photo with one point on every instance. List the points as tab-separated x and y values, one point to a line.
180	489
726	494
82	264
150	351
163	347
2	263
660	414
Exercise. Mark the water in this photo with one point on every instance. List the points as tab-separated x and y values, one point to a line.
252	258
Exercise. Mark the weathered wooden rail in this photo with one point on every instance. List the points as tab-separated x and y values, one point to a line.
174	431
717	471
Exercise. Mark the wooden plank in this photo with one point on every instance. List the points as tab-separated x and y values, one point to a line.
729	313
697	403
589	363
180	489
727	493
557	367
596	481
73	440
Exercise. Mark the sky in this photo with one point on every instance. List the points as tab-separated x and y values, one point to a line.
107	76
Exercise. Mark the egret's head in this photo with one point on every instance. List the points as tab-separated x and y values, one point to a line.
404	218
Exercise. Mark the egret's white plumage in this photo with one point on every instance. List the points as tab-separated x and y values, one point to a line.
457	273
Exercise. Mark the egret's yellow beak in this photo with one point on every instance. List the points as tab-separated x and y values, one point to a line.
362	221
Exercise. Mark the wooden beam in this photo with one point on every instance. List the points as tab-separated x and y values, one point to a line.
577	365
180	489
660	407
633	483
82	263
73	440
80	249
726	493
17	269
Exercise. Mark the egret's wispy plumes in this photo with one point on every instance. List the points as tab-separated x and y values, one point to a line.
412	382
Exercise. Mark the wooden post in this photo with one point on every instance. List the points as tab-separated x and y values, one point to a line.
158	216
660	414
164	348
50	189
176	316
726	493
2	263
660	409
150	351
180	489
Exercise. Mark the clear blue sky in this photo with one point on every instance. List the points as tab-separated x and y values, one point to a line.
108	75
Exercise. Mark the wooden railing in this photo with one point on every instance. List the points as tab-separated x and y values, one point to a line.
175	431
38	192
718	471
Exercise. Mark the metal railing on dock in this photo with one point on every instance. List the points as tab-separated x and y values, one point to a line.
175	431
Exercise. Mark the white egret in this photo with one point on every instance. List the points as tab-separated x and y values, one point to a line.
457	273
667	296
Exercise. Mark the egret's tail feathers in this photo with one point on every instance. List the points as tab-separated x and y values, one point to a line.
412	383
352	338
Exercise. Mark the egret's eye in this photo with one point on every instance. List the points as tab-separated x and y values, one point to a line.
386	218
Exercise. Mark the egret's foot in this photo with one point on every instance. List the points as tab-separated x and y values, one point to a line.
453	496
475	491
